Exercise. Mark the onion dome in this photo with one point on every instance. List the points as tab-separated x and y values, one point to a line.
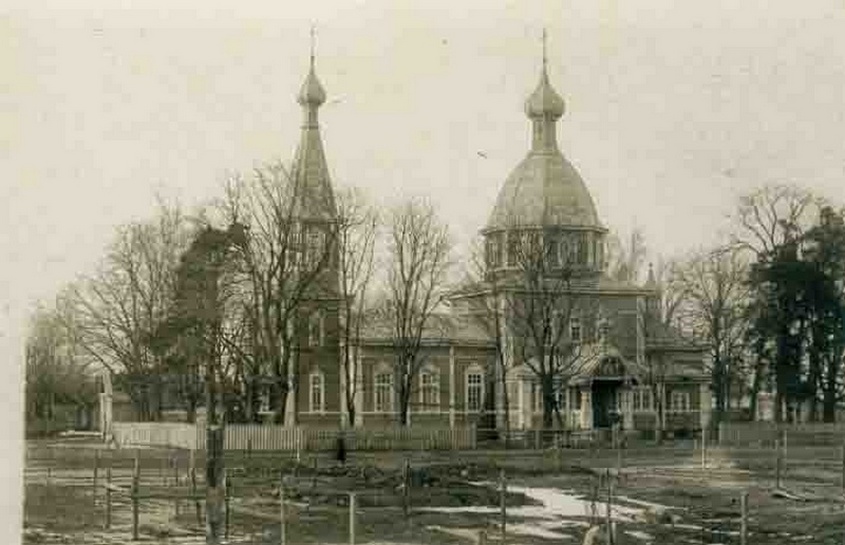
544	101
544	189
312	92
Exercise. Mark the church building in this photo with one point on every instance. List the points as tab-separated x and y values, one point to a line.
605	357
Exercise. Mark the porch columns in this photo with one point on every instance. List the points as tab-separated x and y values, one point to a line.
627	408
586	407
705	405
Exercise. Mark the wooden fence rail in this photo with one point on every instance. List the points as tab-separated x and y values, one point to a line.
767	433
249	437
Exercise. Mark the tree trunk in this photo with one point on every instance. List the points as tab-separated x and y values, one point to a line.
830	384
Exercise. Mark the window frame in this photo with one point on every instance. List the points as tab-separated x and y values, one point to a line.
433	386
379	386
321	380
474	371
687	401
315	322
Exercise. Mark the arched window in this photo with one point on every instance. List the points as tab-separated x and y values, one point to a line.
316	392
429	390
383	391
474	393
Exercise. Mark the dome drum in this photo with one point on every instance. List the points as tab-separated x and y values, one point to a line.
580	250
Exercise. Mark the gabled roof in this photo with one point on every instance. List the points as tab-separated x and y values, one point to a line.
443	327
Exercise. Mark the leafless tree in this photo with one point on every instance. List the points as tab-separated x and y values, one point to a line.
716	293
357	225
482	289
121	305
626	258
287	260
57	372
419	258
541	300
769	216
767	220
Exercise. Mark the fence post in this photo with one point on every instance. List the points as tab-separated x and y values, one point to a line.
777	463
406	487
194	489
703	449
843	467
610	537
108	498
96	468
134	492
282	521
743	506
481	538
352	503
175	470
226	495
503	489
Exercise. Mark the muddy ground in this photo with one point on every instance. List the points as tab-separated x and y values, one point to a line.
661	495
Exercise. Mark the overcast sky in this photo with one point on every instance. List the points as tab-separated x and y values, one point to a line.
673	109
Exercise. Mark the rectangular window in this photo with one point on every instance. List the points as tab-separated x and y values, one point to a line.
315	329
264	399
316	396
513	248
475	389
575	399
582	248
314	246
575	329
429	391
384	393
641	399
680	402
537	396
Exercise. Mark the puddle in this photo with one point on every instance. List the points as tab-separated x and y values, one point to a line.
536	531
556	504
640	535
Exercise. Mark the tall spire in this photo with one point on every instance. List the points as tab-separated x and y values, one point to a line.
545	59
313	40
544	107
314	195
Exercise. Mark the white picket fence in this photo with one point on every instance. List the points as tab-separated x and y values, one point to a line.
282	438
766	433
155	434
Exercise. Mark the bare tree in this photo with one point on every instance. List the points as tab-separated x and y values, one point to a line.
542	299
770	224
626	258
767	217
57	373
287	261
122	304
485	291
419	253
716	294
357	225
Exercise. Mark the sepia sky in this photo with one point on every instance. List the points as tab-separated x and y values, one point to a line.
673	109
